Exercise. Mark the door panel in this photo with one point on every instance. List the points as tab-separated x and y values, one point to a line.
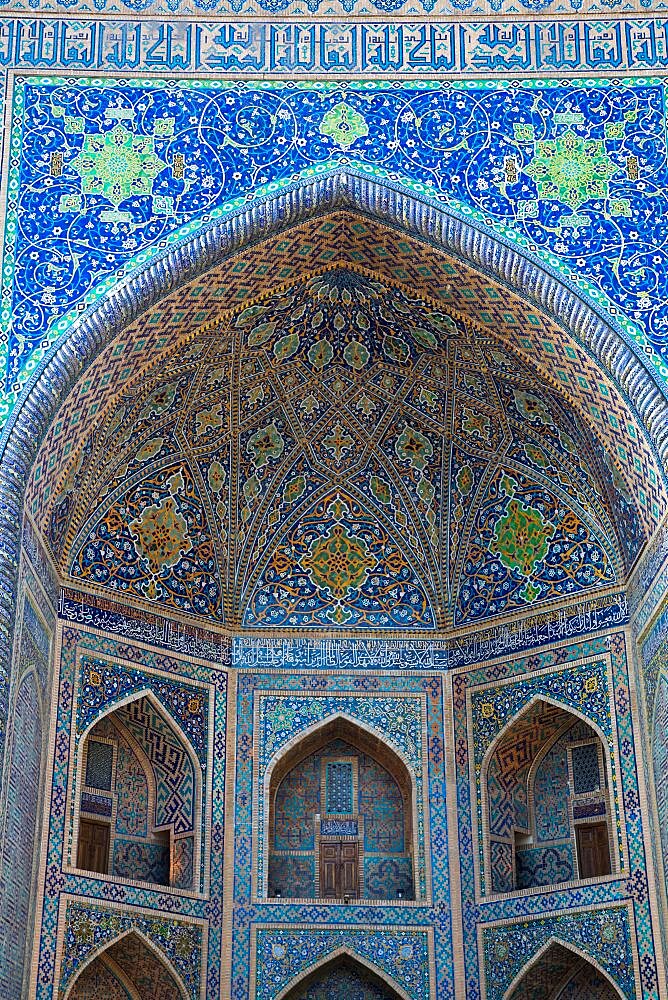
349	878
329	871
339	869
93	849
593	850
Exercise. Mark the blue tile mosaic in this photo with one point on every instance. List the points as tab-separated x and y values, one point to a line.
600	219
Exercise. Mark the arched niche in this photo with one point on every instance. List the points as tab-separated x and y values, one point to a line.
342	189
129	968
547	808
341	817
138	796
560	972
342	976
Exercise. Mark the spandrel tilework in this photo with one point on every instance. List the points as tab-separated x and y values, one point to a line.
572	171
410	443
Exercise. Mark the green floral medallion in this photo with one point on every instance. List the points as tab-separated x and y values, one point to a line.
571	169
339	562
344	125
521	537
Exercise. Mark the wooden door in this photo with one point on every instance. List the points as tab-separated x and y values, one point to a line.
349	876
93	850
593	850
339	869
329	870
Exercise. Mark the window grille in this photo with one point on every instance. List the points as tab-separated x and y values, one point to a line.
339	786
99	765
586	772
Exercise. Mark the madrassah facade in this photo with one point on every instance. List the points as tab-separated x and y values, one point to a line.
334	500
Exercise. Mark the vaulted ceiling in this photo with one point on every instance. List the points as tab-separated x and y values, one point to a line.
345	428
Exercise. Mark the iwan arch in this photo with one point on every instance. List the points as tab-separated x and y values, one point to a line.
332	556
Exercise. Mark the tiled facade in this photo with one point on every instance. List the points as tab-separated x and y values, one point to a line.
333	501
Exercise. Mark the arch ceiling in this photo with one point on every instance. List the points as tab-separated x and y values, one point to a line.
343	427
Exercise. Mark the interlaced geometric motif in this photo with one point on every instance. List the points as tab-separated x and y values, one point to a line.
173	767
586	771
99	765
98	982
319	493
512	759
535	800
339	786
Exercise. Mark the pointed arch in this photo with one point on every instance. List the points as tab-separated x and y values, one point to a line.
330	961
144	941
578	954
506	851
526	707
362	737
341	188
146	692
108	711
345	718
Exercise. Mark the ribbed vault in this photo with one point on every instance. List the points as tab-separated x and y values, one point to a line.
342	427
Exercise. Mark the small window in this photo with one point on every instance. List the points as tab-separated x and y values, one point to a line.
339	784
99	765
586	771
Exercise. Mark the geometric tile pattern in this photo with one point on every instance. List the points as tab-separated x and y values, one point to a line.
342	9
565	366
660	761
603	934
313	495
508	804
405	708
281	718
289	710
341	981
377	802
580	676
282	953
535	798
148	909
140	968
90	928
19	840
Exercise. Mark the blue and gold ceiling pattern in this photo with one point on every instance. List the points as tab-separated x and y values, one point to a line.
343	453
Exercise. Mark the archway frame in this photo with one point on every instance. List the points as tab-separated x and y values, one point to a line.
661	866
339	188
99	952
330	959
569	946
78	744
483	827
261	879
